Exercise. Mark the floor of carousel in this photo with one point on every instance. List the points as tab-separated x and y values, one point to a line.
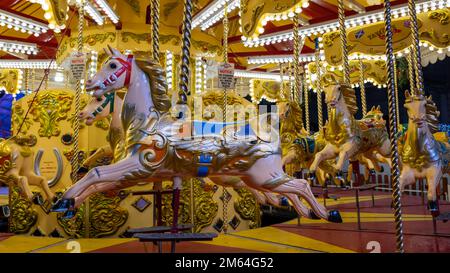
311	236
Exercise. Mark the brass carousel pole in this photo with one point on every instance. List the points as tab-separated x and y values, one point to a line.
224	111
306	98
397	110
155	29
395	170
415	53
183	81
75	149
362	87
343	36
318	85
297	49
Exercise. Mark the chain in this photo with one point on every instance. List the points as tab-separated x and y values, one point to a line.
155	29
75	149
343	35
362	87
183	81
415	47
393	128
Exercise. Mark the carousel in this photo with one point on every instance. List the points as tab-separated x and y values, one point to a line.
304	126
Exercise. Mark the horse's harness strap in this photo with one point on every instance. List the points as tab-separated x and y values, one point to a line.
125	68
109	100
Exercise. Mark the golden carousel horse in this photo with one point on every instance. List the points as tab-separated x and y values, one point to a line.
158	148
348	138
16	167
111	105
423	156
297	146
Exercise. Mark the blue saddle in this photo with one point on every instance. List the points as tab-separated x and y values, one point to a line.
205	128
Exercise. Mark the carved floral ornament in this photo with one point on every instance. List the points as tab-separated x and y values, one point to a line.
10	80
256	13
370	40
374	72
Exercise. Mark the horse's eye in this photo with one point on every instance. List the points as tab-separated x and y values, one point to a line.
112	65
99	99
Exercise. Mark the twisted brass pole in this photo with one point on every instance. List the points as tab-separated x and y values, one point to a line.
305	88
362	87
74	161
395	171
281	84
343	35
155	29
416	60
318	85
224	112
183	83
412	79
297	49
397	111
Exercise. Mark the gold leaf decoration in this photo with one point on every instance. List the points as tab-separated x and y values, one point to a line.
73	227
247	207
50	108
9	80
105	215
93	39
18	114
441	15
137	37
23	216
205	208
134	4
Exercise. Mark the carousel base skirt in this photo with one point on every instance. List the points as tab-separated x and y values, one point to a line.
311	236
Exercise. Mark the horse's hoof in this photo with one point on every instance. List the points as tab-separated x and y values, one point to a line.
38	199
434	208
381	169
312	176
334	216
284	202
69	214
63	205
372	172
313	215
83	170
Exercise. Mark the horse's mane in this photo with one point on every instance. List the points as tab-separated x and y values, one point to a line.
432	115
158	84
350	98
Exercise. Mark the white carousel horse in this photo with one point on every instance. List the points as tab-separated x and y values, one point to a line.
422	155
16	166
157	150
111	104
348	138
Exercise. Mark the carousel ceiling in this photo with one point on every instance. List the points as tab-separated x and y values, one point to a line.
30	30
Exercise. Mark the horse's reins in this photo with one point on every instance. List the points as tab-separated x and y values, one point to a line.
109	100
125	68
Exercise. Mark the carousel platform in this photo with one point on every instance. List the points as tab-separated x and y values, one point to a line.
309	237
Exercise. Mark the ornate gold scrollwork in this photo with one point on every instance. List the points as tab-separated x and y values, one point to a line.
73	227
247	207
205	208
134	4
17	118
29	140
50	108
441	15
23	216
137	37
93	39
105	215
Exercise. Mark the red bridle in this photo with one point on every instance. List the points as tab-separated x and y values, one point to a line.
125	68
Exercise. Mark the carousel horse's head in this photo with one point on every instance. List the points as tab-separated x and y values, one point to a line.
114	74
416	108
337	92
97	109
